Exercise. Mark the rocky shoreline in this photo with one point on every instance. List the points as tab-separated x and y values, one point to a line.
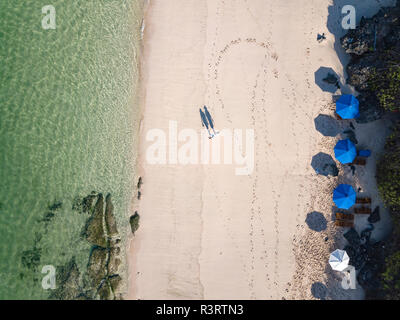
374	47
101	279
374	71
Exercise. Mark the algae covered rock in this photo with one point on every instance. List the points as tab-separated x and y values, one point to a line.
111	224
97	266
67	281
94	228
114	260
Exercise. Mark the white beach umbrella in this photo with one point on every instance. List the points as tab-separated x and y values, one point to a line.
339	260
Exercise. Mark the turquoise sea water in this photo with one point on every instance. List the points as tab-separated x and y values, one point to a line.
68	120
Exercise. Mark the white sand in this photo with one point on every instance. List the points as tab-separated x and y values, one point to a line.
206	232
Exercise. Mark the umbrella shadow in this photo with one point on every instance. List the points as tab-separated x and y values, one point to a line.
324	164
316	221
319	290
327	79
327	125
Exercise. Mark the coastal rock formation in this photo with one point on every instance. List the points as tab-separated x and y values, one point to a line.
97	265
94	228
109	218
101	279
67	279
134	222
374	68
86	204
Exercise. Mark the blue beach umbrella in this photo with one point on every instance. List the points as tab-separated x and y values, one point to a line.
344	196
347	107
345	151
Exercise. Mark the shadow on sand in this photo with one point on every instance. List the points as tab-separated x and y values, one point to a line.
324	164
316	221
327	125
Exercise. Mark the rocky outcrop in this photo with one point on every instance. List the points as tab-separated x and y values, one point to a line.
111	224
101	279
134	222
375	49
94	228
97	266
68	282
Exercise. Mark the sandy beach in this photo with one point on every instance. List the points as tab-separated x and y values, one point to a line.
205	231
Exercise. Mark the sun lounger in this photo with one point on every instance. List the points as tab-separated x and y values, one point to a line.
344	216
359	162
365	200
362	210
344	223
338	117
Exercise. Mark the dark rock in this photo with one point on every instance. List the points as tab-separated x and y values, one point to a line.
134	222
374	33
359	40
67	280
374	46
374	216
370	109
365	236
111	224
353	238
94	229
357	256
367	277
140	182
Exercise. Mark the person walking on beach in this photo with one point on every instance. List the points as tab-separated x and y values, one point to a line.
210	120
204	123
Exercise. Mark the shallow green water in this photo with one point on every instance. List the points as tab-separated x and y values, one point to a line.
67	127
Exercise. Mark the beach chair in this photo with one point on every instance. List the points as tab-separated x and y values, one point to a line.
364	200
344	216
362	210
344	223
359	162
338	117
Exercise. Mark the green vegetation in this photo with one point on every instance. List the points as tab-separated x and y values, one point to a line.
391	277
388	171
385	83
388	177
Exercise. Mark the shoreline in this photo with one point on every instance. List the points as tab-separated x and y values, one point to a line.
194	249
